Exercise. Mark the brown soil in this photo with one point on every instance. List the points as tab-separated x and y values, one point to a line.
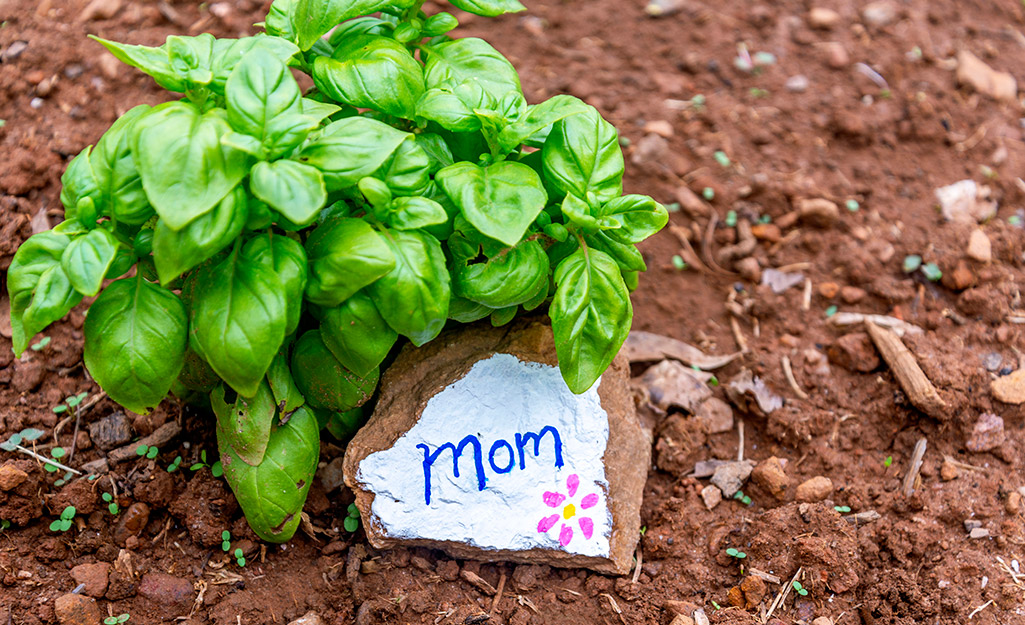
845	138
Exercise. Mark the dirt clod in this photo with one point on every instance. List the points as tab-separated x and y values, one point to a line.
769	474
94	576
11	477
73	609
854	352
111	431
167	589
1010	389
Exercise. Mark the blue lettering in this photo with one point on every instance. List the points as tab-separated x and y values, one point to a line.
523	439
478	461
491	456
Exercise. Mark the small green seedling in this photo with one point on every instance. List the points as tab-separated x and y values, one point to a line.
852	205
116	620
888	461
731	219
351	522
721	158
736	553
239	558
698	102
57	453
4	524
932	272
742	498
14	443
171	468
716	606
678	262
801	590
912	263
644	530
225	541
842	509
758	92
708	193
70	402
831	311
765	219
63	524
215	469
147	451
41	344
111	504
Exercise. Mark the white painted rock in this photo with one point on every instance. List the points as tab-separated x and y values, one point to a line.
477	447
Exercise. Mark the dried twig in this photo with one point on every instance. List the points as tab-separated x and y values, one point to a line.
920	390
738	335
478	582
899	327
769	577
963	465
806	301
159	438
637	566
740	440
980	609
498	594
916	466
781	596
789	373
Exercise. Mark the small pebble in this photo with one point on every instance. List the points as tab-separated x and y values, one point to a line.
711	495
36	103
13	51
74	71
836	55
979	532
979	247
815	489
823	18
992	361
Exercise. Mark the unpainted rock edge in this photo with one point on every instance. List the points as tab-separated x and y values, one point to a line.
405	391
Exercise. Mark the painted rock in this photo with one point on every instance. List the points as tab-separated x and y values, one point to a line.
477	447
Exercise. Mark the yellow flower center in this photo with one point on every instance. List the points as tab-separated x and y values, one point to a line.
568	511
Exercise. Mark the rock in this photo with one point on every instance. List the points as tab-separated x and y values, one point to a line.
716	414
854	352
822	620
965	202
76	610
111	431
310	618
879	14
970	524
681	619
979	248
767	232
988	433
769	474
823	18
852	294
711	495
818	212
1013	503
815	489
797	83
829	290
978	532
754	590
132	522
167	590
28	375
331	475
564	473
780	281
749	269
1010	388
94	576
960	277
836	55
11	477
749	393
100	10
659	127
730	477
671	383
948	471
973	72
651	148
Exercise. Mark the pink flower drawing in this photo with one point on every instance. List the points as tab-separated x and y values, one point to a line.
569	512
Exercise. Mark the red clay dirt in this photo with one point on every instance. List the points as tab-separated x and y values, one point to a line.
885	146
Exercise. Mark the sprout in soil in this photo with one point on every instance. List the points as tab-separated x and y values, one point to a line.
215	469
888	461
801	590
852	205
4	524
171	468
912	262
14	443
731	219
116	620
111	504
734	553
63	524
145	451
742	498
678	262
239	558
708	193
351	522
842	509
932	272
225	541
41	344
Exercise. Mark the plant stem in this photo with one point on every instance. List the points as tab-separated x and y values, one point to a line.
47	460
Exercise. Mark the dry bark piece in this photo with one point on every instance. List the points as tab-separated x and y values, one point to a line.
750	394
670	383
161	437
911	477
643	346
526	505
920	391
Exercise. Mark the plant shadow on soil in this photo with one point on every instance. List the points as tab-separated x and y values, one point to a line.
843	138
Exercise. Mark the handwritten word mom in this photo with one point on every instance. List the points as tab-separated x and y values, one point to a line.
502	449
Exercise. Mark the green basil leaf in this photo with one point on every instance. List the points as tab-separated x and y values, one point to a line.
437	151
350	149
500	200
356	27
345	255
50	299
357	334
135	337
632	218
153	61
591	316
244	426
538	119
413	213
453	63
370	71
407	171
229	53
312	19
278	22
87	258
238	320
272	493
196	374
318	110
465	311
489	8
453	108
287	132
191	57
39	254
503	316
413	297
286	258
582	156
78	183
175	252
344	425
117	177
282	385
626	255
245	143
578	212
185	169
324	381
293	189
513	277
259	90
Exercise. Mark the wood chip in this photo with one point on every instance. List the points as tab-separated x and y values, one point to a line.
643	346
478	582
916	465
919	389
899	327
769	577
862	518
161	437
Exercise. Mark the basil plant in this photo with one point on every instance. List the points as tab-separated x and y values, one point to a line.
262	249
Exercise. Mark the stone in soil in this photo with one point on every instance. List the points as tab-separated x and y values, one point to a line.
711	496
111	431
973	72
94	576
716	415
1010	388
854	352
331	474
73	609
988	433
730	477
769	474
879	14
979	247
965	202
948	471
132	522
478	448
310	618
167	590
823	18
797	83
815	489
11	477
671	383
